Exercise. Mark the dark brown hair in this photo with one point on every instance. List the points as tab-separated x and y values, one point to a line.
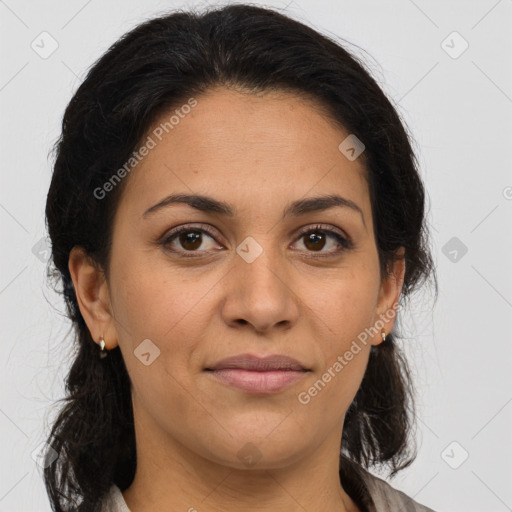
147	71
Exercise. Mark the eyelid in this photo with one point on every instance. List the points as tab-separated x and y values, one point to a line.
323	227
302	230
199	226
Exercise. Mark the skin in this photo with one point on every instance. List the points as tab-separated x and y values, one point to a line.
257	153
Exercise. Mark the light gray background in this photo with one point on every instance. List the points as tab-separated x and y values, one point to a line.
459	109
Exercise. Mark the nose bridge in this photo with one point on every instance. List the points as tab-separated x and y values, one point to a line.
260	264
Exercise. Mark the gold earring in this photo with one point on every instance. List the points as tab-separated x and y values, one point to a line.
103	352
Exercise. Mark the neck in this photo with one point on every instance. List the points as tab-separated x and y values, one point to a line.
169	476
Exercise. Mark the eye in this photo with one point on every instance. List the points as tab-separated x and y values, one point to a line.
315	239
190	238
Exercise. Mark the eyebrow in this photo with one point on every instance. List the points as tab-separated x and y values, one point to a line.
210	205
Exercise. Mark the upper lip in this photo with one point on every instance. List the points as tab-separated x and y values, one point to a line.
261	364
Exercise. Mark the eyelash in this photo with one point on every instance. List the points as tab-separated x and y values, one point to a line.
346	243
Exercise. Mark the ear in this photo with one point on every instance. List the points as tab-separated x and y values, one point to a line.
389	295
93	297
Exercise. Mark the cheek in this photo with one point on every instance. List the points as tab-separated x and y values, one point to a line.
153	303
345	301
152	299
344	309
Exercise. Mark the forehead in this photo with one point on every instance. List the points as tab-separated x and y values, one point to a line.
264	148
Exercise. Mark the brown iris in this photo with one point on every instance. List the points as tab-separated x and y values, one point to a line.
190	239
315	241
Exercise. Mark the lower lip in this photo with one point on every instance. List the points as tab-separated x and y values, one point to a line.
258	382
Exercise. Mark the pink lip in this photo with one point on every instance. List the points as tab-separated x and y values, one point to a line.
258	375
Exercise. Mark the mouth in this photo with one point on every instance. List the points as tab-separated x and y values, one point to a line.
258	375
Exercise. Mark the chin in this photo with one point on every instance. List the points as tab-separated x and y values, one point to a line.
270	447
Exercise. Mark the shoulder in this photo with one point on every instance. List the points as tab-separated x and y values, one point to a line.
373	494
114	501
388	499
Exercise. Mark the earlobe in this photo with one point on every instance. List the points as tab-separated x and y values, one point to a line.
92	294
389	296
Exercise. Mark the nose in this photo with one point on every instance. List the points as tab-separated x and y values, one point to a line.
260	293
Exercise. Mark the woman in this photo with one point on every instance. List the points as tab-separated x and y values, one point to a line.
236	219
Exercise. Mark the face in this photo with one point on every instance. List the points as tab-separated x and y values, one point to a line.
265	278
